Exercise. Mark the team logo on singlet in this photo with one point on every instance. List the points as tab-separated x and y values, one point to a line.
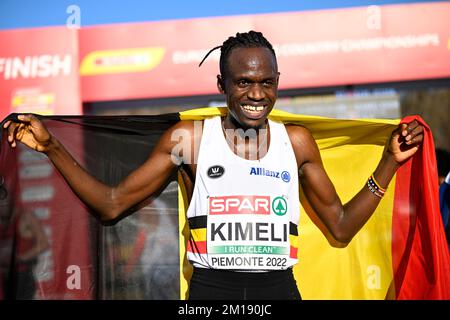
215	171
260	171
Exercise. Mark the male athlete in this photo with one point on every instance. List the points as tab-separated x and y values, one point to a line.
242	184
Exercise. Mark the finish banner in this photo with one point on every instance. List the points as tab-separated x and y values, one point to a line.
45	70
314	49
39	71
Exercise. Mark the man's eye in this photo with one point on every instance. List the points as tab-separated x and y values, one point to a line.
242	83
268	83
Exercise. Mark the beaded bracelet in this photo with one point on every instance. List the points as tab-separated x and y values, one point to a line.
375	187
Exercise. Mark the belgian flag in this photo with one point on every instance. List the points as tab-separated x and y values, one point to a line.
401	252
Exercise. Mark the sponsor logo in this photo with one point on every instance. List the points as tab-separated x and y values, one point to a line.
33	100
121	61
285	176
279	206
259	171
215	171
239	205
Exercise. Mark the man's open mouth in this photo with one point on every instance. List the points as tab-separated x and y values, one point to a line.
254	109
253	112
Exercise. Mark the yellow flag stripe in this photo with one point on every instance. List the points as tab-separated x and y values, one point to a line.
363	269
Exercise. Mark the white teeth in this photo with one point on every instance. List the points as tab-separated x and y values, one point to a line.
253	108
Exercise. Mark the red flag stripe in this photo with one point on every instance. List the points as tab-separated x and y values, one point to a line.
420	256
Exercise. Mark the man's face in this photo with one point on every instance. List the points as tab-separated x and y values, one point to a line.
251	86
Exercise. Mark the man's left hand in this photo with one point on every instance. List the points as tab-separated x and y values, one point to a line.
405	141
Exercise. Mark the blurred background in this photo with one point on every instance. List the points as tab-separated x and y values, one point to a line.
341	59
344	59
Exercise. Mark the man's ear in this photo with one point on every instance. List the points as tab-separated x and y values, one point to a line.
278	78
220	84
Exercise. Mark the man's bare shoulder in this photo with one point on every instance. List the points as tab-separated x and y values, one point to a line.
183	131
187	124
303	143
299	134
188	129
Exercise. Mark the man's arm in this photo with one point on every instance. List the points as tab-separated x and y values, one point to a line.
108	201
344	221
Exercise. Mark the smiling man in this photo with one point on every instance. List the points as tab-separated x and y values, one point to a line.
243	184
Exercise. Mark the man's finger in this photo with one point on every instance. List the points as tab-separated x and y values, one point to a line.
416	131
24	117
412	125
31	119
416	140
20	132
409	127
11	137
16	132
6	124
403	128
11	131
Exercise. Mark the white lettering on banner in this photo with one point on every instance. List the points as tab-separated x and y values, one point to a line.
45	267
393	42
43	66
361	44
194	56
37	193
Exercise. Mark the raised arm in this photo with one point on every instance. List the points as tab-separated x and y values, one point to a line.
107	201
344	221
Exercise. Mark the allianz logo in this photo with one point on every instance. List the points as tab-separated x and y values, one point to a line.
259	171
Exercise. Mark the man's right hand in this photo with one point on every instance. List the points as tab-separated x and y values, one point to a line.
30	131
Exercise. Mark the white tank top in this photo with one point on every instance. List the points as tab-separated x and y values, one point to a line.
243	214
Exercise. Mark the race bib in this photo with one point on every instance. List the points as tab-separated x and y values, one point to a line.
248	232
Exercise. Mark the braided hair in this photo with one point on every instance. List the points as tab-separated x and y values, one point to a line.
251	39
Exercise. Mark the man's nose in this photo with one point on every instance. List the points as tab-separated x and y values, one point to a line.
255	92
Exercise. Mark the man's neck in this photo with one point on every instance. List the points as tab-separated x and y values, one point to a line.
248	143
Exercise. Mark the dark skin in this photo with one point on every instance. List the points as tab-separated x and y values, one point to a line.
250	85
